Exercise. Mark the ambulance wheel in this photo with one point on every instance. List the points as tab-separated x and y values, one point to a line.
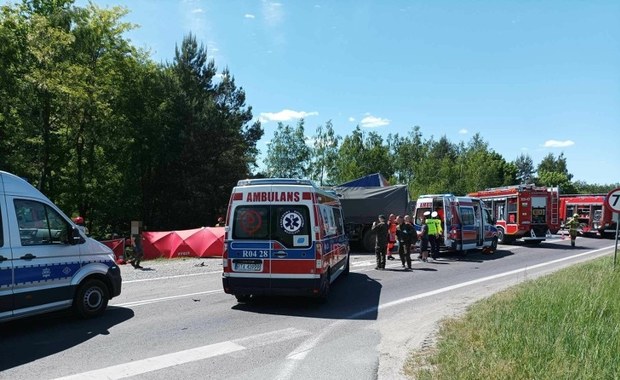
91	299
243	298
325	287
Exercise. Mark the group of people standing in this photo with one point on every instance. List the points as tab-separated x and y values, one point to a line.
400	229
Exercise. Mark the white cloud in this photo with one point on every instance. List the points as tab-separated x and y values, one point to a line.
273	12
351	119
248	15
198	10
558	144
370	121
285	115
463	131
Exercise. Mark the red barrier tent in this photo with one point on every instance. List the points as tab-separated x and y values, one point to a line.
117	246
199	242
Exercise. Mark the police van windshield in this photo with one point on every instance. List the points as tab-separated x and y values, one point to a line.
287	224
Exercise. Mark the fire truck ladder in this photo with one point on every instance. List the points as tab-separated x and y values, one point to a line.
555	208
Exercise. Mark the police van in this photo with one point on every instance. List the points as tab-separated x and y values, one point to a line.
283	237
46	262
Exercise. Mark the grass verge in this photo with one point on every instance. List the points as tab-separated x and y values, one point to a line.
562	326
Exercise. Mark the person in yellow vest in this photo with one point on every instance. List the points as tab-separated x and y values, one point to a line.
573	224
434	234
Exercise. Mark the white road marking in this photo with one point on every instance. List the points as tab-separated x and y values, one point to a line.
139	367
299	353
155	363
162	299
169	277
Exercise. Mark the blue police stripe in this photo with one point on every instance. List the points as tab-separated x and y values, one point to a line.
6	277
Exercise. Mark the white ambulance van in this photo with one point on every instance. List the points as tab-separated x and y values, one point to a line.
46	262
283	237
466	222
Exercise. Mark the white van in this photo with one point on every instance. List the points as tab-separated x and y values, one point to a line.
46	262
466	222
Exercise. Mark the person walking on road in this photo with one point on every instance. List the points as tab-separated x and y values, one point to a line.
380	229
406	234
138	253
573	224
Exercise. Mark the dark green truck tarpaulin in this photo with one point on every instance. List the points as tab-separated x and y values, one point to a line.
363	204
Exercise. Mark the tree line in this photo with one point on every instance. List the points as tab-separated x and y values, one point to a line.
110	135
426	165
105	132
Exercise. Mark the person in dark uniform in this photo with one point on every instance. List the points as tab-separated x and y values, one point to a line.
380	229
138	253
423	235
406	235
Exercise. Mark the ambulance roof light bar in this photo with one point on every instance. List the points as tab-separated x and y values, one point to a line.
275	181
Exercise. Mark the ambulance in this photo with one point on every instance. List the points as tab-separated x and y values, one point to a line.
283	237
46	262
466	222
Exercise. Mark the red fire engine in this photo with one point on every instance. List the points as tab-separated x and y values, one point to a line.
525	212
594	218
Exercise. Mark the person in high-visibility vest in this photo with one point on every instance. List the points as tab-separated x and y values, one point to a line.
391	224
434	234
573	224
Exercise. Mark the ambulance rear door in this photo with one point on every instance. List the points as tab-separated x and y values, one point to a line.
293	256
249	249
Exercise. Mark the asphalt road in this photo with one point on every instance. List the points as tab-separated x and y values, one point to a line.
173	320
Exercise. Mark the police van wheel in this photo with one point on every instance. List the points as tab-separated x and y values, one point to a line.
494	244
91	299
501	237
243	298
347	267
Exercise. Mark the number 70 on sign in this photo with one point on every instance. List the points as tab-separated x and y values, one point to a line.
613	200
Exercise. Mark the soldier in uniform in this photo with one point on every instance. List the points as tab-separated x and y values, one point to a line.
406	235
380	229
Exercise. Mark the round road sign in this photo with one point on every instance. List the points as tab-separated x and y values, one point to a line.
613	200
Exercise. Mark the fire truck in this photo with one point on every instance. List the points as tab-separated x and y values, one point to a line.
527	213
595	219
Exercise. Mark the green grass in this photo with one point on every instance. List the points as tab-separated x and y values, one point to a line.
563	326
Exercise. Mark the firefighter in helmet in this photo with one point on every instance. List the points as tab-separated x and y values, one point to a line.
573	224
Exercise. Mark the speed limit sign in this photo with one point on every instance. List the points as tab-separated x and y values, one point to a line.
613	200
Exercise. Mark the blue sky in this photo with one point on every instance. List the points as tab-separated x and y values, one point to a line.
533	77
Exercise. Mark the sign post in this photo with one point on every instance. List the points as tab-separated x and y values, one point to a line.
612	201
